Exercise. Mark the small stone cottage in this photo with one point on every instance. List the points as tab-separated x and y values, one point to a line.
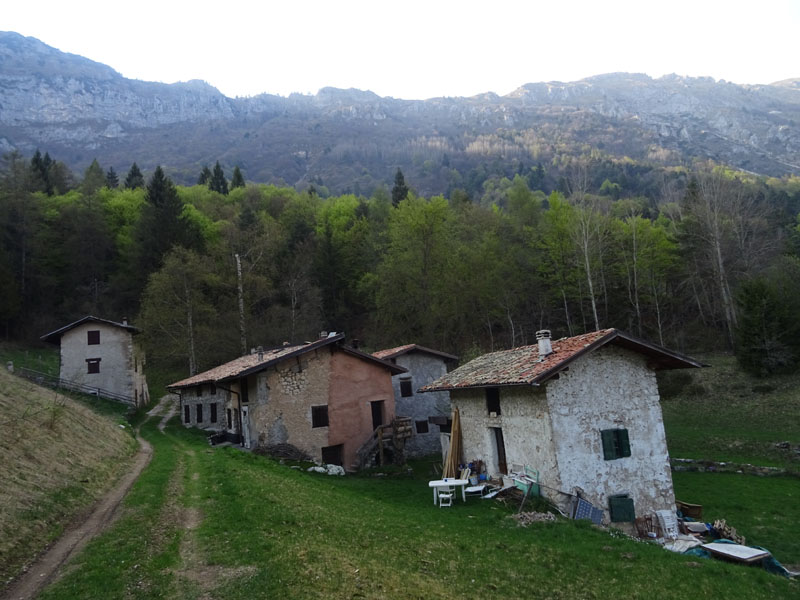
582	411
429	412
102	355
323	398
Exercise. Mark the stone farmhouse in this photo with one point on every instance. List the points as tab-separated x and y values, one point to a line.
322	398
582	411
102	356
430	412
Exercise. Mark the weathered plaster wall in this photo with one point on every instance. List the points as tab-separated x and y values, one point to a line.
281	399
190	398
115	351
611	388
354	384
525	424
423	368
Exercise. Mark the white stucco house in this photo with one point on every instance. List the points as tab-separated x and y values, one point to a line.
102	355
430	412
582	411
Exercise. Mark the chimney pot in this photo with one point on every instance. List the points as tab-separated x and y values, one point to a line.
543	338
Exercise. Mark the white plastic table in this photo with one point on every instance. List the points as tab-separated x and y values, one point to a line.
444	483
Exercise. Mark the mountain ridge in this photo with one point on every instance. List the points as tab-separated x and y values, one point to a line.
77	109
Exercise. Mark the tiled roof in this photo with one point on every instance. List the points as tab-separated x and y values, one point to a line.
522	366
238	366
55	336
250	363
393	352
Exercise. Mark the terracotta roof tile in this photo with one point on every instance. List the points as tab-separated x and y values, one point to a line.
522	366
392	352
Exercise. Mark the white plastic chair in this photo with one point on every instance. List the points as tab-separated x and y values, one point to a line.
445	496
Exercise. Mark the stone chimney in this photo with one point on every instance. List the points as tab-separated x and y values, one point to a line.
323	335
260	351
545	348
124	320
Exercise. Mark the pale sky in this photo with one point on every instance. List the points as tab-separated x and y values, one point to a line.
417	49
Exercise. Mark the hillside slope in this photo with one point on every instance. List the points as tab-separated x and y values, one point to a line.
56	458
353	140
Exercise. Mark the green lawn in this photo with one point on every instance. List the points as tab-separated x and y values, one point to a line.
221	523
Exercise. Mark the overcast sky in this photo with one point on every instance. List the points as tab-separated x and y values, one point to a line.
417	49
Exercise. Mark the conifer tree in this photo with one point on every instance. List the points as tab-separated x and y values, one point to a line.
218	183
205	176
135	179
112	179
93	178
237	180
400	189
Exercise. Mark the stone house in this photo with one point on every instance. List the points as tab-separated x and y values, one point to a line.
323	398
102	355
582	411
429	412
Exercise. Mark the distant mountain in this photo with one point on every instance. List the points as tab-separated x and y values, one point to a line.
351	140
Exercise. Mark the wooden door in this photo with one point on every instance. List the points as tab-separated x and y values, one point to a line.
500	447
377	414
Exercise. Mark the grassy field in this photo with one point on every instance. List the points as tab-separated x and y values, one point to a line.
723	414
56	458
221	523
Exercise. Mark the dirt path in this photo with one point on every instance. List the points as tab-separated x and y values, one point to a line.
44	570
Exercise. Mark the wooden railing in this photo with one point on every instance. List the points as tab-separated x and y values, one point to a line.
58	383
394	433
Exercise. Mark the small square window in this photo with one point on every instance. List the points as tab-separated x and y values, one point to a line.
93	337
422	426
621	509
319	416
198	391
212	389
406	388
199	413
615	443
186	413
493	400
92	365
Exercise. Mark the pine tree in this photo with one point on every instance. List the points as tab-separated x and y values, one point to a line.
112	180
237	180
205	176
93	178
400	189
218	183
135	179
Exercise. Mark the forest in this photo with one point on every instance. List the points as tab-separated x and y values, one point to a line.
706	259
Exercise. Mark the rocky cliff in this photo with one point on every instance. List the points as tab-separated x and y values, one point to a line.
79	109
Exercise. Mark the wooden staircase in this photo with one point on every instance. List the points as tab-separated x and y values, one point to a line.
386	440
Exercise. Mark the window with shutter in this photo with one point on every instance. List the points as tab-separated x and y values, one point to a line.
616	443
621	508
319	416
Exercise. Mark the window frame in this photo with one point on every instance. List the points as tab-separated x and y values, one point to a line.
93	365
319	416
493	401
213	412
422	427
406	388
616	443
93	337
199	412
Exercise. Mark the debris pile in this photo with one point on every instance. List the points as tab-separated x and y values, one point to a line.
526	518
726	532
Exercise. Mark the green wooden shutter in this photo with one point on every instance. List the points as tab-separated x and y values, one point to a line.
607	436
624	442
621	509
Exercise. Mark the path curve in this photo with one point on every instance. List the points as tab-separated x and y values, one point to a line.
44	570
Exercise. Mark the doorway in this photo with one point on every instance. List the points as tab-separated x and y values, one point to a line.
246	425
377	414
500	450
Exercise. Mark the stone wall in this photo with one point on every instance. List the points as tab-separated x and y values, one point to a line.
611	388
556	430
281	399
423	368
206	397
115	351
